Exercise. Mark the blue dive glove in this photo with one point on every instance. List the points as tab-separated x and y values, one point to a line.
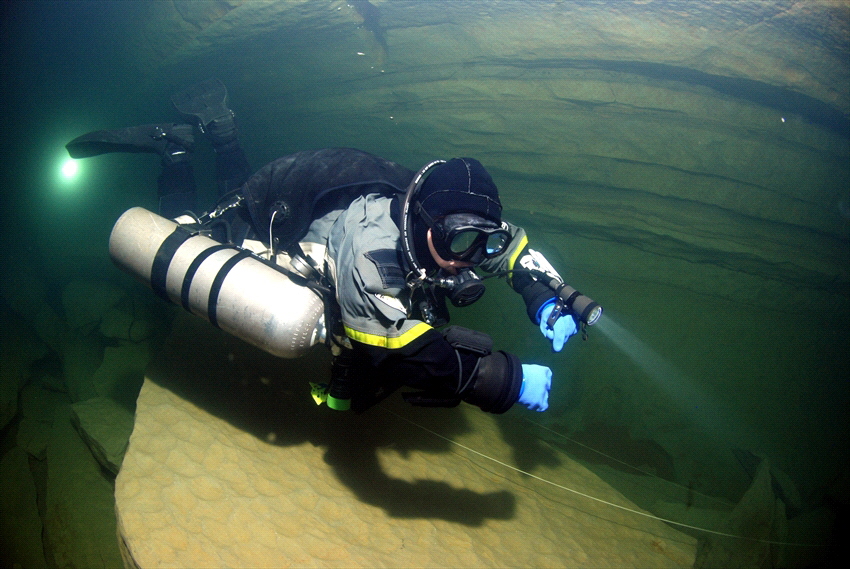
565	326
536	382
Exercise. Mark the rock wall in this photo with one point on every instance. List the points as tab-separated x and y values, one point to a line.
748	39
713	132
71	372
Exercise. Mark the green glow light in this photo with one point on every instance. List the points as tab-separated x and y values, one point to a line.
70	168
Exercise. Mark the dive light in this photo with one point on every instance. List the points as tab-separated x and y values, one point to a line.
568	300
582	307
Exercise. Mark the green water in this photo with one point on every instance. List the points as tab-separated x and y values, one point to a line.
686	165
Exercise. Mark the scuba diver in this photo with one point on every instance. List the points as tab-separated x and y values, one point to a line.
341	247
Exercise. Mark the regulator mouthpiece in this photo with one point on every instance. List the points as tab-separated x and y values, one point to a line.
464	288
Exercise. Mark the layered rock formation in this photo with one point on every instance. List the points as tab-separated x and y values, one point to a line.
713	134
70	374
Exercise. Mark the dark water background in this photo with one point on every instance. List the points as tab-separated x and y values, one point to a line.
711	220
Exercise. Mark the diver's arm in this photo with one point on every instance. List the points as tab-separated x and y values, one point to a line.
518	257
534	292
541	300
447	371
428	362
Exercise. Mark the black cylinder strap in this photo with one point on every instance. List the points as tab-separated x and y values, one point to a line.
193	268
219	280
159	268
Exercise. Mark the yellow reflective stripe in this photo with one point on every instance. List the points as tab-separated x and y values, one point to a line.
515	255
387	342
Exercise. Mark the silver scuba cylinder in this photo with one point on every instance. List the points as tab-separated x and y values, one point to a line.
230	287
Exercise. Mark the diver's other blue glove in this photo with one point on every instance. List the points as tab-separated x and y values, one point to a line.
536	383
565	326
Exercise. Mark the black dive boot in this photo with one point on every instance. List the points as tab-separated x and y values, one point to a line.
206	104
168	140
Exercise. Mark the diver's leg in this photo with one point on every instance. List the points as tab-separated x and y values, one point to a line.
171	141
176	184
231	167
154	138
206	104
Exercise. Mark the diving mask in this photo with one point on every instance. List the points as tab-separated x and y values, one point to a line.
467	237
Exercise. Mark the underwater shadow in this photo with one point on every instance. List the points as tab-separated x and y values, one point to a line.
269	397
